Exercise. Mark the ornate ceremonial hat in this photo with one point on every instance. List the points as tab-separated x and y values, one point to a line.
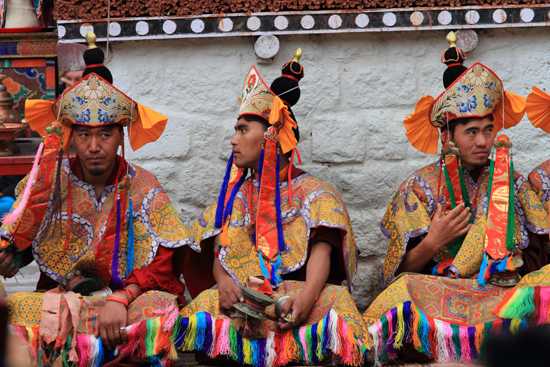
256	99
94	101
473	92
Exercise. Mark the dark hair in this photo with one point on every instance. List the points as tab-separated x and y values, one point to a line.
96	56
257	118
463	121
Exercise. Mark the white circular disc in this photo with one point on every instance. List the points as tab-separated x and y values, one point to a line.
142	28
362	20
197	26
307	22
527	15
61	31
499	16
114	29
335	21
444	17
417	18
169	27
281	23
266	46
226	25
253	23
472	17
389	19
85	28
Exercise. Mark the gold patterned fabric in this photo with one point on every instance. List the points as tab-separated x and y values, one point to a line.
26	309
314	204
409	216
155	223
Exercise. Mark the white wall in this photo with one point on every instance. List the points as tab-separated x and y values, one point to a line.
356	92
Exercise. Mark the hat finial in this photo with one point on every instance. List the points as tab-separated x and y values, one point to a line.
297	54
452	38
90	40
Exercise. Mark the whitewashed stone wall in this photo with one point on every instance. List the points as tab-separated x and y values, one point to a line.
356	92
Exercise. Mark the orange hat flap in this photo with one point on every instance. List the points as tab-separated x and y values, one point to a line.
538	109
148	127
514	110
422	134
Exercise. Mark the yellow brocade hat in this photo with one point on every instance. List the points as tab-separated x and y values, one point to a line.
93	101
477	92
257	99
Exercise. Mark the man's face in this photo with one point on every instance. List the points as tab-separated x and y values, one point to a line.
97	147
474	141
247	143
71	78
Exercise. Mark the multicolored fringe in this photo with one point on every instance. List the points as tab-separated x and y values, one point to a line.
531	303
89	349
440	340
161	337
158	339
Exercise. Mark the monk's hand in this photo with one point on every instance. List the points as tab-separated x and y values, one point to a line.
229	293
8	267
443	230
111	323
301	305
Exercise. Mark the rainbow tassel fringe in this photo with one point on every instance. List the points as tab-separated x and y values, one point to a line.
157	341
442	341
530	303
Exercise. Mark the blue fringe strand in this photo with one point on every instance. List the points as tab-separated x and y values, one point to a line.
229	204
116	282
223	191
130	249
280	235
482	271
501	268
260	167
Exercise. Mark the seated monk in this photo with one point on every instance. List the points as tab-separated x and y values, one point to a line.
95	225
279	232
538	112
460	230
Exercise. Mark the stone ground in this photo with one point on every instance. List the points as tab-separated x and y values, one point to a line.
186	359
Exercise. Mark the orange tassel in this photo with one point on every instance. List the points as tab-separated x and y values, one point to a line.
416	324
479	336
292	349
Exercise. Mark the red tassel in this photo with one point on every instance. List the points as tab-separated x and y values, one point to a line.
218	325
432	335
496	329
289	179
279	349
536	301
